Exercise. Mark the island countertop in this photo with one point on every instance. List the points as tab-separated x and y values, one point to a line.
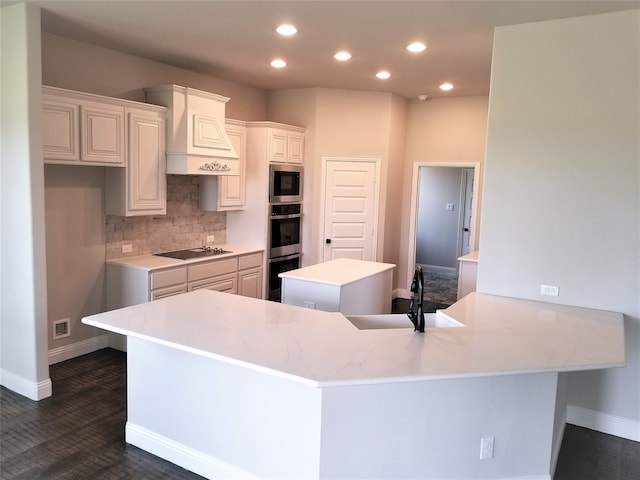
340	272
501	336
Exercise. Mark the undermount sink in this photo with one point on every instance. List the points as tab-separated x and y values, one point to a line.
400	320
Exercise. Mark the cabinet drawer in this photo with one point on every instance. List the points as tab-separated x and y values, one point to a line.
250	261
223	283
168	292
166	278
200	271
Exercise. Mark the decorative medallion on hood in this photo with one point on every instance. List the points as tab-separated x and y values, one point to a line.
197	143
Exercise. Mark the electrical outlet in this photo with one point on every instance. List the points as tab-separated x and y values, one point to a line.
486	448
449	207
551	290
128	248
211	238
311	305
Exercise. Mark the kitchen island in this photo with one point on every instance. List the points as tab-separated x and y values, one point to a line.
235	387
342	285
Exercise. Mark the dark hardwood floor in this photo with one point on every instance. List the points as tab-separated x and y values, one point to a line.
78	433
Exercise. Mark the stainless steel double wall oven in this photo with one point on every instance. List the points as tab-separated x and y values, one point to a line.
285	223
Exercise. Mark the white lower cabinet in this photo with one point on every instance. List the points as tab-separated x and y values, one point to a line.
250	275
218	275
166	283
130	285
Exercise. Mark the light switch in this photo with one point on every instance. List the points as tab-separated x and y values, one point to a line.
449	207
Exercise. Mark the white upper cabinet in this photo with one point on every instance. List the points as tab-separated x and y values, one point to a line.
227	192
60	130
80	128
280	143
85	129
141	188
102	134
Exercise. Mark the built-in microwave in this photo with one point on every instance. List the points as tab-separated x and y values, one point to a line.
285	183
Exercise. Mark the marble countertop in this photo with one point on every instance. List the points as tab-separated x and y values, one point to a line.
340	271
501	336
152	262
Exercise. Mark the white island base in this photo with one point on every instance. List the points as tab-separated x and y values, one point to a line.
227	421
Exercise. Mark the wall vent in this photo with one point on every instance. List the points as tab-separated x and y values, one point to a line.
61	328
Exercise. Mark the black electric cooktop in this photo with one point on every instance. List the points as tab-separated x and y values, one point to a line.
193	253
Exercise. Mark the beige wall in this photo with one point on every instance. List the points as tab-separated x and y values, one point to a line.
562	202
75	231
87	68
444	131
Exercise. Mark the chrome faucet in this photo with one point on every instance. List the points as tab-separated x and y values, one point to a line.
416	309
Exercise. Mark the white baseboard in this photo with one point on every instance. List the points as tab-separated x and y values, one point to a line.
182	455
27	388
77	349
604	422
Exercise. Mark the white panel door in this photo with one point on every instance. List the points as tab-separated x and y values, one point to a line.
350	210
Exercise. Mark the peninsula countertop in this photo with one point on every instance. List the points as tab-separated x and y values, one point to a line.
501	336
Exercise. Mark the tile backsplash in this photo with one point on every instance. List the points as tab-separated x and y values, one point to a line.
184	225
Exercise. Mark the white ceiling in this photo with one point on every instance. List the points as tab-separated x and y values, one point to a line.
235	40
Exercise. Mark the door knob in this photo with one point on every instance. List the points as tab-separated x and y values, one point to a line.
327	240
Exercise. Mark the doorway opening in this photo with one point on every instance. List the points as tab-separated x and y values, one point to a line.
443	220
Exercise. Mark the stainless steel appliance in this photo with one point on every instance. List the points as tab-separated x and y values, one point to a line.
277	266
285	229
285	183
285	243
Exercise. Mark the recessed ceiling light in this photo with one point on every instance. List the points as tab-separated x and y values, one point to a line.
383	75
446	87
416	47
342	56
278	63
287	30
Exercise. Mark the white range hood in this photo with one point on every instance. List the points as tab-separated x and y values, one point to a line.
197	143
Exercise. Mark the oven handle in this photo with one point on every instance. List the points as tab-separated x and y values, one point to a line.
283	217
286	257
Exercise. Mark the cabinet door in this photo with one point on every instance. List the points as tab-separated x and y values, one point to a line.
232	196
60	127
250	282
295	147
277	146
102	130
146	177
